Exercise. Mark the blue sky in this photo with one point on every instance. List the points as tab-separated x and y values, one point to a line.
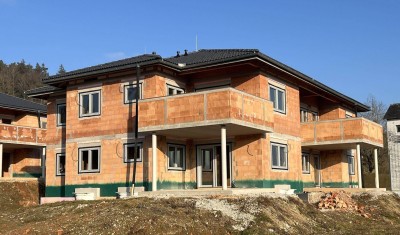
351	46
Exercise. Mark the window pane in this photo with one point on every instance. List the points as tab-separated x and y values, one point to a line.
272	92
206	159
131	93
85	160
280	100
61	164
179	91
179	157
95	159
130	152
85	104
62	114
274	155
282	156
170	91
171	156
95	102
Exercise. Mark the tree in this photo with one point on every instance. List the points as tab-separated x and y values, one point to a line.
61	70
376	114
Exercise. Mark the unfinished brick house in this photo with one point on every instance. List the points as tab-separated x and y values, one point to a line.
22	137
211	118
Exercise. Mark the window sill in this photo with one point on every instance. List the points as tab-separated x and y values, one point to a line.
176	169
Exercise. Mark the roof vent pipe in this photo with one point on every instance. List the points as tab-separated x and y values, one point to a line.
186	52
177	54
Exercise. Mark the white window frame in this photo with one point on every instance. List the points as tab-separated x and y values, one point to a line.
126	146
175	90
351	163
275	104
90	157
126	100
90	113
58	155
305	163
303	115
315	116
59	123
279	166
183	168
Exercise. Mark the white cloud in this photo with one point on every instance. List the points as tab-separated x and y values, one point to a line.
114	55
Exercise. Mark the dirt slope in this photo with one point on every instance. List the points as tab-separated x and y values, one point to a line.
216	215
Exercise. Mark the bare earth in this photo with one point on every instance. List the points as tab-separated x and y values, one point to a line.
20	214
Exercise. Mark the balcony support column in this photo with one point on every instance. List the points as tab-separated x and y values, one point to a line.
223	158
1	160
376	168
359	166
154	161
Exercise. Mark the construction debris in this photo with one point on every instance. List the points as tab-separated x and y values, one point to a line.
341	201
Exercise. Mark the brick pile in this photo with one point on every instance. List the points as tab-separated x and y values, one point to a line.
341	201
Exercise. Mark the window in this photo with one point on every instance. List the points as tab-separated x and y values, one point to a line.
43	125
206	159
398	128
89	160
303	115
278	98
351	165
279	156
89	103
60	164
61	115
305	163
130	92
315	116
174	90
129	152
6	121
176	157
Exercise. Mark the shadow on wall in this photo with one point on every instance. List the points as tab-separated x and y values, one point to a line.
369	180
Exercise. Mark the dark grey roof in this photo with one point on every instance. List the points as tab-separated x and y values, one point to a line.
210	56
198	59
393	112
107	67
15	103
46	89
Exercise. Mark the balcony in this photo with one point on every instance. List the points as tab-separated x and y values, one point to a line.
200	114
341	134
22	135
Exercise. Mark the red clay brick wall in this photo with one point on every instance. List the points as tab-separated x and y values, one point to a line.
26	161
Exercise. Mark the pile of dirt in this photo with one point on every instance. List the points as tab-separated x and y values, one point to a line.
267	214
16	194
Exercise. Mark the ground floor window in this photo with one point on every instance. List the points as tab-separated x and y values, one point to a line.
279	156
60	164
305	163
351	165
129	152
176	157
89	160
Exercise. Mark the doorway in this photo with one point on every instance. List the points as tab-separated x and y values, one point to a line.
317	170
209	165
6	165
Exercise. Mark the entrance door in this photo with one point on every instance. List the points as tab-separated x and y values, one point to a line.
6	165
317	170
209	170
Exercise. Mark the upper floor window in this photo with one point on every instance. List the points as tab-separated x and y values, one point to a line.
305	163
278	97
130	152
61	114
176	157
172	90
130	92
89	103
308	116
60	164
89	160
279	156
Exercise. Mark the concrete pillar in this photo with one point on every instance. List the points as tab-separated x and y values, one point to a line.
154	159
223	158
376	168
1	160
359	166
43	162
